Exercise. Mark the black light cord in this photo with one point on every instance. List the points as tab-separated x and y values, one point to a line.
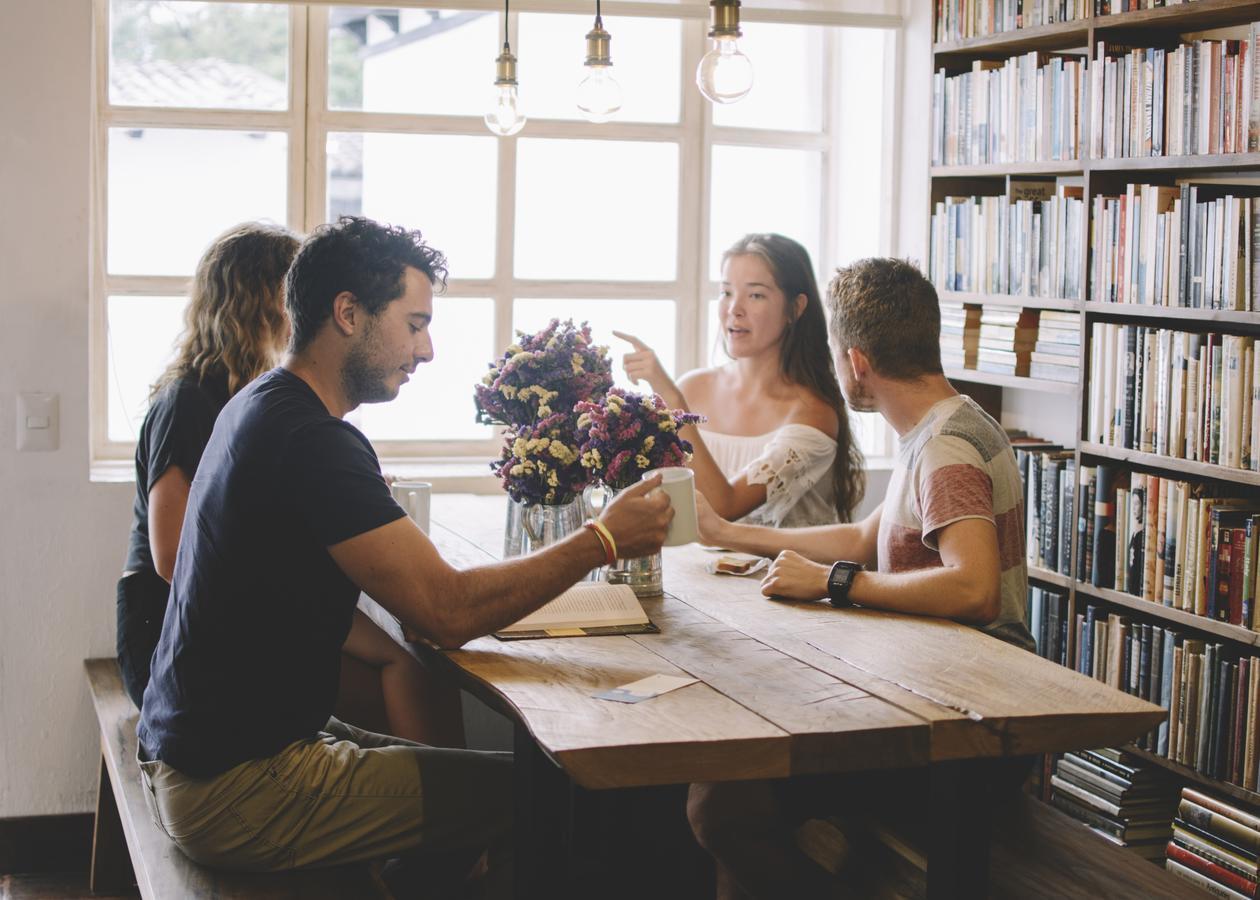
505	25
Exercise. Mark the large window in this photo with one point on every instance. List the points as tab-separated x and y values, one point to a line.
215	113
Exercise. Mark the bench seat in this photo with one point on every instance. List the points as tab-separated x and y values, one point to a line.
128	848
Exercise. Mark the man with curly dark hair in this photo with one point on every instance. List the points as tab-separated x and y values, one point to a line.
288	519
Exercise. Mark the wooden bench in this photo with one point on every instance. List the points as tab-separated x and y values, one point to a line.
1038	853
127	848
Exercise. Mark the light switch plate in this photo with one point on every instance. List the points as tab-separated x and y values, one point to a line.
38	422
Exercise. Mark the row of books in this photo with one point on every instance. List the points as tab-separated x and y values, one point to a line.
960	19
1027	244
1170	542
1028	108
1049	476
1175	393
1175	246
1214	844
1127	802
1198	98
1009	341
1211	692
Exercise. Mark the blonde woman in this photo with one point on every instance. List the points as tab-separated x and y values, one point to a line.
235	329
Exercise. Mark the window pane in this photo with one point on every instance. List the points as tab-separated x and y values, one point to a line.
442	184
646	56
428	61
603	210
142	334
860	160
205	55
787	91
437	403
652	321
172	190
759	189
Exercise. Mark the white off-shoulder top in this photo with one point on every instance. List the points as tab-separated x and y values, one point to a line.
794	463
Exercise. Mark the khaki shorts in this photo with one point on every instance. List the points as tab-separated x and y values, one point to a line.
341	796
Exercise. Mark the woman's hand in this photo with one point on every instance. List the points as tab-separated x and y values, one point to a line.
793	577
642	363
708	522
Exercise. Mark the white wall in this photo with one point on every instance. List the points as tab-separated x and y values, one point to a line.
61	538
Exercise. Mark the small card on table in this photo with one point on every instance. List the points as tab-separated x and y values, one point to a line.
645	688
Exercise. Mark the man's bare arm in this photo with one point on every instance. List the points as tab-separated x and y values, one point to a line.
822	543
398	566
966	587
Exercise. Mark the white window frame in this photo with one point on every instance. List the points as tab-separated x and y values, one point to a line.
308	121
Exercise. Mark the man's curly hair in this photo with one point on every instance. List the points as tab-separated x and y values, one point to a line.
889	311
357	255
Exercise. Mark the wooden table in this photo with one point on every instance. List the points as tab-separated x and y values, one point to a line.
785	689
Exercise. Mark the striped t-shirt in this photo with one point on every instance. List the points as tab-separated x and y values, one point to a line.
958	464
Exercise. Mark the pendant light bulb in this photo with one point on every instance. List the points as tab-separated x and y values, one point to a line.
504	116
598	94
724	75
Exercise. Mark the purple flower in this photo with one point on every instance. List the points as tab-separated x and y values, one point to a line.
625	434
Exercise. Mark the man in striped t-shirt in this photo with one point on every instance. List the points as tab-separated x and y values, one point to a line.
948	539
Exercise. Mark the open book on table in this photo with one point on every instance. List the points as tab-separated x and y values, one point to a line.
587	608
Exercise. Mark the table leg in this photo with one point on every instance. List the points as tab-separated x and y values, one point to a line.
958	839
543	822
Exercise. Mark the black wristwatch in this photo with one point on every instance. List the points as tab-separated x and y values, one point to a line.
840	580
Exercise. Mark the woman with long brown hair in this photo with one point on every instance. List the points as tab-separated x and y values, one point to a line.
235	330
777	448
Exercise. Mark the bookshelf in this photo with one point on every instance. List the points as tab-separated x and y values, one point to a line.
1163	28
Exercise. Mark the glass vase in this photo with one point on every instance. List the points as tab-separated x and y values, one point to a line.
641	573
531	528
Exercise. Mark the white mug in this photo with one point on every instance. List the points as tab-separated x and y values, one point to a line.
413	497
679	483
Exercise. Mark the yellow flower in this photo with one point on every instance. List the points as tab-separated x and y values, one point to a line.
520	357
515	349
553	479
649	442
667	425
642	461
507	390
488	378
591	459
584	420
577	364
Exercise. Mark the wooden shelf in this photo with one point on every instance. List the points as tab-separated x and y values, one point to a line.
1235	633
1189	774
1193	16
1059	36
1011	381
1001	170
1169	464
1180	313
1037	573
1012	300
1195	163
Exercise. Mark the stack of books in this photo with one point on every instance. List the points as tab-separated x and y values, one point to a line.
1026	246
1187	396
1214	844
1048	473
960	335
1007	338
1125	801
959	19
1193	99
1057	353
1192	245
1026	109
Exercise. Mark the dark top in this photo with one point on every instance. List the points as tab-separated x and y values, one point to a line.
175	431
250	653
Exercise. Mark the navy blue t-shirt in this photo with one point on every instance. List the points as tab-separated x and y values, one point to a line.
250	654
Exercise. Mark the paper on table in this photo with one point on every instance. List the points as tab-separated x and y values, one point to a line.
584	605
645	688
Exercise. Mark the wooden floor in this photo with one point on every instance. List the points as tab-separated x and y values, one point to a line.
62	885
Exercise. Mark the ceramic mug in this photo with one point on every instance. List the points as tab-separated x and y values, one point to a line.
679	483
413	497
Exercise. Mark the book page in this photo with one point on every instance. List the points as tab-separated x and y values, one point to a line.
585	604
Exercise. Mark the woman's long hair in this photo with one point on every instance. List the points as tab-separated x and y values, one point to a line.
805	358
235	323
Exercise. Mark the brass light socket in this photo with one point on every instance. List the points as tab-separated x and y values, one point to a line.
597	46
724	18
505	67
